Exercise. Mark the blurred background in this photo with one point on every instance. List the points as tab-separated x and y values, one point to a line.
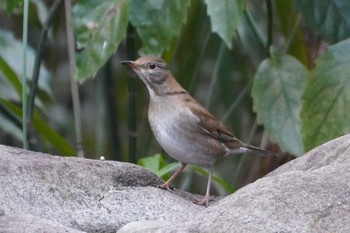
216	50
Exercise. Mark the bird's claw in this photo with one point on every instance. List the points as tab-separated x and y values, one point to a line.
204	201
166	187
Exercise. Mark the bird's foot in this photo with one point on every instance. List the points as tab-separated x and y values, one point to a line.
166	186
204	201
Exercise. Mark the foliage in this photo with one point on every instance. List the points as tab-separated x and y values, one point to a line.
99	27
329	17
145	15
157	164
291	56
325	111
277	89
225	17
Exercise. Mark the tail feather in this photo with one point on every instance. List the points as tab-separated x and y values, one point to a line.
260	151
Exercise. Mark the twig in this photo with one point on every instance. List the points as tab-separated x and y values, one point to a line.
74	84
24	77
269	25
38	59
132	99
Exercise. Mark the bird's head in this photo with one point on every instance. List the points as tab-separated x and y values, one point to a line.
155	73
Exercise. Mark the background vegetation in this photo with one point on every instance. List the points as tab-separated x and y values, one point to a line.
276	72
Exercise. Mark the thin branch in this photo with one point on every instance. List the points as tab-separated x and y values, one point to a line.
131	53
24	74
201	55
215	75
292	34
269	25
248	17
74	84
113	121
238	100
38	59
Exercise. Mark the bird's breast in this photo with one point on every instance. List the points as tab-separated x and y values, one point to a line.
175	129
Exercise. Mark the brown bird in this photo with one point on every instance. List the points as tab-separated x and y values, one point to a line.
181	125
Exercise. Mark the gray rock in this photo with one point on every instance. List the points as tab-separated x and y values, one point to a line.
18	223
308	194
143	226
84	194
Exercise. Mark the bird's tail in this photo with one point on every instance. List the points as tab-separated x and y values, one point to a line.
260	151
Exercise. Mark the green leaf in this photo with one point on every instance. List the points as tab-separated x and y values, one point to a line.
225	16
277	90
10	71
156	164
11	76
44	130
157	22
326	112
10	122
330	18
12	4
99	27
151	162
51	136
169	168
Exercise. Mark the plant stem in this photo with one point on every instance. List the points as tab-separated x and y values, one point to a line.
24	75
269	25
253	27
132	99
108	92
292	34
38	59
74	84
215	75
10	116
234	105
201	55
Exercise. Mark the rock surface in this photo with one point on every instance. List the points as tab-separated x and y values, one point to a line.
308	194
11	223
87	195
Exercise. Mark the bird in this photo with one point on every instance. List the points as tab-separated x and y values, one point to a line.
182	126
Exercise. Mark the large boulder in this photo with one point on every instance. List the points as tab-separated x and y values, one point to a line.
84	194
308	194
11	223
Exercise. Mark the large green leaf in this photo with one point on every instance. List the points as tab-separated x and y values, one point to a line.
157	22
277	89
326	111
225	16
99	27
10	71
330	18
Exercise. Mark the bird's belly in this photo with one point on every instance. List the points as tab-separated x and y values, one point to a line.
186	146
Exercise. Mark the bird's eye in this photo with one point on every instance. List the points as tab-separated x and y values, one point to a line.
152	66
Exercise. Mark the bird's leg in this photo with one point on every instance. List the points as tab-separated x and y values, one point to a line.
167	184
206	199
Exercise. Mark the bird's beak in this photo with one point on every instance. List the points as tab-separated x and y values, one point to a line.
130	64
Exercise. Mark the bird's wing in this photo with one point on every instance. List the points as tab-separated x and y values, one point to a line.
211	126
